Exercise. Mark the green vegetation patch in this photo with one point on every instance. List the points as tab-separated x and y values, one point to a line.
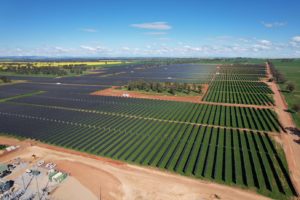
170	88
21	96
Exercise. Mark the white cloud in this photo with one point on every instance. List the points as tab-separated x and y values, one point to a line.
153	26
249	47
89	30
265	42
243	40
258	47
61	49
273	24
96	49
88	48
189	48
296	38
125	48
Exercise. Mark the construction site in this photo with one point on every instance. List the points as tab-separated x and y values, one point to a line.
28	178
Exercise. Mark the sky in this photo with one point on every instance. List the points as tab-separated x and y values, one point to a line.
150	28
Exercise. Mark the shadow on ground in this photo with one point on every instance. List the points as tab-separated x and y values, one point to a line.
296	132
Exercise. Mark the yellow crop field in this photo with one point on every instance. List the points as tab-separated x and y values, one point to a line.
60	64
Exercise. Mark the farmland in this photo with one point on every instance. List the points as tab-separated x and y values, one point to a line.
59	64
53	69
227	138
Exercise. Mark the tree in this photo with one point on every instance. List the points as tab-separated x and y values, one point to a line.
159	88
290	87
185	86
200	89
189	89
5	79
172	91
296	107
280	78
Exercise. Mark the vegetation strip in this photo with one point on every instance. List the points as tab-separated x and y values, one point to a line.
21	96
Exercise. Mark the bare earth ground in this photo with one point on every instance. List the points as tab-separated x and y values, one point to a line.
134	94
120	180
72	184
289	139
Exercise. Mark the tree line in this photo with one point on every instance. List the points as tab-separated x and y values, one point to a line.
29	68
5	79
280	78
277	75
160	87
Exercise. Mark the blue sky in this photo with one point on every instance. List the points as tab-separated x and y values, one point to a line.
181	28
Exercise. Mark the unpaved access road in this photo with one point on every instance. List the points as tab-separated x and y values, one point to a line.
290	138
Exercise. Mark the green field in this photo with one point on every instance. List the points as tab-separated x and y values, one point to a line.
291	71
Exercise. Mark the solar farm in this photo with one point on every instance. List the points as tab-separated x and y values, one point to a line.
228	137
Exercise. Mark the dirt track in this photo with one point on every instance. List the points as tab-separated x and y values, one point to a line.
289	139
124	181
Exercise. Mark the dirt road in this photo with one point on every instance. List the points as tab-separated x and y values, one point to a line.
289	139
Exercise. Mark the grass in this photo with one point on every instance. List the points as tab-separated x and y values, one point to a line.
233	60
2	147
291	70
33	75
14	136
21	96
12	82
45	75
